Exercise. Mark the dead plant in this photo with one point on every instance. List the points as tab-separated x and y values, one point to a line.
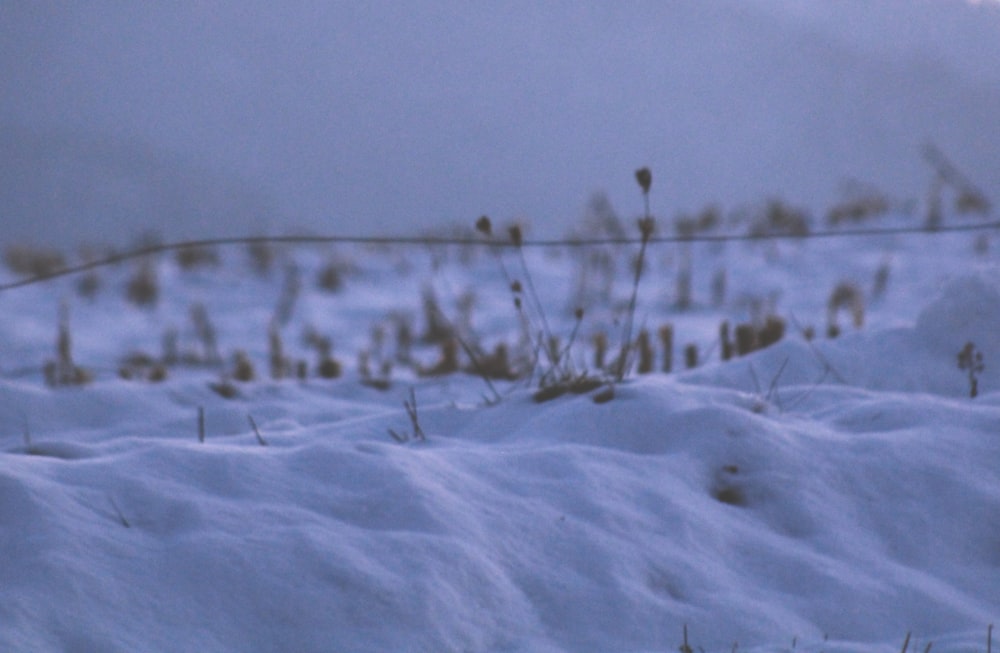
143	289
646	228
845	295
193	257
558	375
970	360
33	261
63	371
416	432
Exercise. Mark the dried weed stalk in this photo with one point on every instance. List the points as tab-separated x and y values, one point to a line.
646	228
416	433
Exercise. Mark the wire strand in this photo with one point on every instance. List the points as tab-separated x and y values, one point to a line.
480	242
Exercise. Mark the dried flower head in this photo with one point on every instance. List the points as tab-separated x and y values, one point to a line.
515	286
970	358
645	178
516	236
484	226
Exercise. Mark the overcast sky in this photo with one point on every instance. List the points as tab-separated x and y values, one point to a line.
233	117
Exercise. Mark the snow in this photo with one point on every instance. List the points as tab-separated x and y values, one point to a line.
825	495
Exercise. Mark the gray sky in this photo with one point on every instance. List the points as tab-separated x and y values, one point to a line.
234	117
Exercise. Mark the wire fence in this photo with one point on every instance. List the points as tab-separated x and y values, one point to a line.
149	250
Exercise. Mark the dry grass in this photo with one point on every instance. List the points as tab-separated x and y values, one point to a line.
33	261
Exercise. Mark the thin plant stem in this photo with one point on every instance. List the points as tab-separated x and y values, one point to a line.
256	431
630	316
546	331
471	354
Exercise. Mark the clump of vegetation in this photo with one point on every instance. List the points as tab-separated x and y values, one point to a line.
88	285
600	220
540	356
863	203
624	361
33	261
380	379
969	200
403	331
686	228
143	289
666	335
749	337
205	332
447	363
63	371
327	367
779	219
261	255
934	212
242	367
559	374
772	331
496	365
289	295
596	267
644	346
970	360
725	342
139	366
845	296
746	339
193	257
374	364
703	222
330	277
690	355
600	342
436	326
972	201
279	364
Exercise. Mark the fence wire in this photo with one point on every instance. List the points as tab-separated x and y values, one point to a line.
481	241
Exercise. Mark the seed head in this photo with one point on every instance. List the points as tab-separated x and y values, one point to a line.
645	179
484	226
515	286
516	236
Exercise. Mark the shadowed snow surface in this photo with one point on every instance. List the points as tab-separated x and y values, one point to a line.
854	499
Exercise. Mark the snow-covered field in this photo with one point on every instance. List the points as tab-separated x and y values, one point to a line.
824	495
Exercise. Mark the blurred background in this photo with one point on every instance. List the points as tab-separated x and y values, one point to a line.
237	118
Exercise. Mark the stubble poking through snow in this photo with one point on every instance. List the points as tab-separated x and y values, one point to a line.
851	501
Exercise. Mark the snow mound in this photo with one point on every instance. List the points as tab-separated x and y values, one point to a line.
919	359
967	309
564	526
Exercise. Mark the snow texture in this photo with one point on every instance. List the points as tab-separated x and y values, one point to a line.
824	495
